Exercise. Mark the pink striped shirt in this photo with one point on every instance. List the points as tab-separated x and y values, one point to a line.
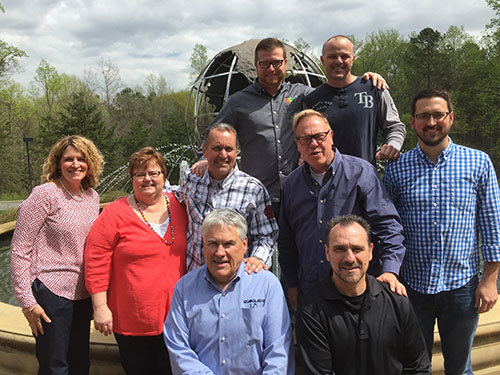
48	243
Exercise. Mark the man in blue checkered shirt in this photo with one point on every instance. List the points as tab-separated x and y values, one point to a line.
223	185
449	202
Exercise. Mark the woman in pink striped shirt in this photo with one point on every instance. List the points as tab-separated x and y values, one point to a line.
47	255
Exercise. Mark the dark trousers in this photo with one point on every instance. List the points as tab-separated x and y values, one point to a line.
143	354
64	346
457	322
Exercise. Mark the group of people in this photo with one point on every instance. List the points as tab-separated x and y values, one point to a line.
180	277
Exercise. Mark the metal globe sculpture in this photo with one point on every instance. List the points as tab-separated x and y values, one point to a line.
232	70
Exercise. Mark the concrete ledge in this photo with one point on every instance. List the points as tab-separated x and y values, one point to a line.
485	350
7	227
17	347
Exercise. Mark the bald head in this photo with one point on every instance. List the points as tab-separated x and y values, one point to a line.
337	58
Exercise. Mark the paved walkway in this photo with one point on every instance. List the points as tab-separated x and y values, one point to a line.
4	205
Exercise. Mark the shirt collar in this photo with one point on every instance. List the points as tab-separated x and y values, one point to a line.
208	277
443	156
208	181
330	292
337	159
284	87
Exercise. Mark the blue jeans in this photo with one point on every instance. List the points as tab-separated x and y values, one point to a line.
64	346
457	323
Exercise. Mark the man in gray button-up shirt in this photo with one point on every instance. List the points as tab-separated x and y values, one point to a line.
262	114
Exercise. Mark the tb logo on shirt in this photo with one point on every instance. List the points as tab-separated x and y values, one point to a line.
364	99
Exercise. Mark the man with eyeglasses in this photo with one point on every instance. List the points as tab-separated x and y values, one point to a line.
262	114
327	185
355	109
223	185
449	202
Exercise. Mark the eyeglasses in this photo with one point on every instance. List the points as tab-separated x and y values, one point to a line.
436	115
266	64
142	175
306	140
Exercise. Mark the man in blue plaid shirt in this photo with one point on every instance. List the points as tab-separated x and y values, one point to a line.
449	202
223	185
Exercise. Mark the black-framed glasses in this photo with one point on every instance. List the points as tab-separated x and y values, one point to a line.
306	140
142	175
436	116
275	63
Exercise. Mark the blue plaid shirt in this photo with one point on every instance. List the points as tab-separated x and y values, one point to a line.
445	209
238	191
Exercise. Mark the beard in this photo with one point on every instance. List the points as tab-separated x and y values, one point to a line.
432	140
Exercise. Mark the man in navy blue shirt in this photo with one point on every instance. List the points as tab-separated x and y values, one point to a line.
355	109
330	184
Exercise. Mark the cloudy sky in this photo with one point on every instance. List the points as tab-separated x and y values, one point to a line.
158	36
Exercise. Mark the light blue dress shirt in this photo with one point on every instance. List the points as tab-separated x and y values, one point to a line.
242	330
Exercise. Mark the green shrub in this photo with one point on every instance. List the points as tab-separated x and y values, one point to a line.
112	196
8	215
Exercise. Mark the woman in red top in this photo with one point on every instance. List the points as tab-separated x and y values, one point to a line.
135	253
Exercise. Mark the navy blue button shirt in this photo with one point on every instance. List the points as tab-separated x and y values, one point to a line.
351	186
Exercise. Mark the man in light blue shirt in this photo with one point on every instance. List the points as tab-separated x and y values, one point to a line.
223	320
449	202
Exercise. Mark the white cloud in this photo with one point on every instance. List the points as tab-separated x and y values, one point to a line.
155	36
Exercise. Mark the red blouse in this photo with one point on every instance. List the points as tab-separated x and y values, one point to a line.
126	258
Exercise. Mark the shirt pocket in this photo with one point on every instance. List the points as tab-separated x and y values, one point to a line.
253	312
462	194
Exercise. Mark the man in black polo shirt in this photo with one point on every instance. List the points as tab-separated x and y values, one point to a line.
353	324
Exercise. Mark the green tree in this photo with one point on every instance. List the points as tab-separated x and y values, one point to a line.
82	115
47	83
198	61
17	120
302	45
9	59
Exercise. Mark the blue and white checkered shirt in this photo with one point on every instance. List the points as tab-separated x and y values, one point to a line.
238	191
447	210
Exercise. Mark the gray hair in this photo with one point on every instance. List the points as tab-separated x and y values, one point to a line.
222	127
345	221
225	217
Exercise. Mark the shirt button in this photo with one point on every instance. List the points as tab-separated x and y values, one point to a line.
321	261
276	126
278	141
435	223
320	241
223	361
434	204
223	338
321	201
223	315
321	221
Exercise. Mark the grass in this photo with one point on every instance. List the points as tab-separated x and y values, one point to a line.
18	196
8	215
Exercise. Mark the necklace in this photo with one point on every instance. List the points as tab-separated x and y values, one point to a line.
149	225
73	196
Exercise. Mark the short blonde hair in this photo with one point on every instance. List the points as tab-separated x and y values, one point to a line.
93	158
307	113
144	157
